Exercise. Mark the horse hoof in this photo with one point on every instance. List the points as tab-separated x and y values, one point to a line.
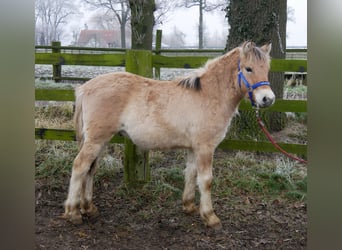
91	212
190	209
76	220
217	226
212	222
93	216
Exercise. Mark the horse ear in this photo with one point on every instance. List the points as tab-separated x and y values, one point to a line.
267	48
247	46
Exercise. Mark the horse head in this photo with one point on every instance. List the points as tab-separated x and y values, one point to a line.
253	68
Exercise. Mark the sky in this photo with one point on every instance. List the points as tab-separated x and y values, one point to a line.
297	30
186	20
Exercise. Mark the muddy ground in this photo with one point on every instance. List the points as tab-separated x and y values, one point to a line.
136	220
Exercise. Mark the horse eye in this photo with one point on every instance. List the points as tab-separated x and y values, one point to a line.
249	70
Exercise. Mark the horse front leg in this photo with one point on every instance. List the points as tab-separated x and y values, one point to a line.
204	179
190	184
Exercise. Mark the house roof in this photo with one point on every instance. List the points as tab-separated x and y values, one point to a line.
102	37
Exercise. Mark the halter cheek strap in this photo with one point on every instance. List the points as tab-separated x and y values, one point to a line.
249	86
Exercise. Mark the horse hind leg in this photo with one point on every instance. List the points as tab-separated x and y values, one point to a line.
188	198
87	206
80	184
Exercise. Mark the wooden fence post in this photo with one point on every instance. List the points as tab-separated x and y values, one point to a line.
158	47
136	165
56	68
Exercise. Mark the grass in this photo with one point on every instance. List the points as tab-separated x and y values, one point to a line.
53	161
54	115
245	174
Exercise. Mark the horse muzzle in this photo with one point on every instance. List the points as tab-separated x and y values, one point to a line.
264	97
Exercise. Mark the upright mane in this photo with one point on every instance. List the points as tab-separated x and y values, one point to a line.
250	52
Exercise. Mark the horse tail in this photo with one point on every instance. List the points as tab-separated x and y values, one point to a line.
78	117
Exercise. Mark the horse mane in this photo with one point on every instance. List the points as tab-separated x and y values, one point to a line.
255	54
193	81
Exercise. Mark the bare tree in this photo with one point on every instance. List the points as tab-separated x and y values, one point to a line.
101	19
216	40
119	9
175	39
50	15
164	9
203	6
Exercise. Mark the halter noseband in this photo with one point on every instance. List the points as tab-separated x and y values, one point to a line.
249	86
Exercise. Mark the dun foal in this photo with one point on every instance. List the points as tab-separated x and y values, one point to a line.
192	113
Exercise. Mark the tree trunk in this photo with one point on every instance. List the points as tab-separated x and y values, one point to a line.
123	34
142	22
200	26
278	37
261	21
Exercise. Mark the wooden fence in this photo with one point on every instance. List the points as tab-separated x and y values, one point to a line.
57	56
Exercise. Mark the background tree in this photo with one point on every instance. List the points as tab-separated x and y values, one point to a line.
163	10
203	6
142	22
118	9
175	39
49	16
261	21
216	40
103	20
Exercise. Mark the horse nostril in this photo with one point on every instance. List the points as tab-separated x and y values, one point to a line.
267	101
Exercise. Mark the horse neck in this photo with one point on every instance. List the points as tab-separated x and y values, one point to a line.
221	79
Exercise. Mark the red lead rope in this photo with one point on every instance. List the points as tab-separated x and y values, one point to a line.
268	135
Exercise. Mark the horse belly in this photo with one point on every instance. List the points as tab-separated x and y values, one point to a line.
150	133
156	138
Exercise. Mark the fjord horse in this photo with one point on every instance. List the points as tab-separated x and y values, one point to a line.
192	113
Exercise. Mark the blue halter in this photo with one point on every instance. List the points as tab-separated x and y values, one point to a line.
249	86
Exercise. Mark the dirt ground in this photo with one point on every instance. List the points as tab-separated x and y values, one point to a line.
134	222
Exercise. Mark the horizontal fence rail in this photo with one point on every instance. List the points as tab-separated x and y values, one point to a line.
81	59
261	146
68	95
